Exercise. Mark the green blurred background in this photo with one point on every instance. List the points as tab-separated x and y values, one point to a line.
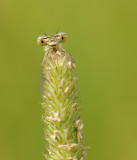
102	37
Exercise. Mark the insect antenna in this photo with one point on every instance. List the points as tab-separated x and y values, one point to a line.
44	33
57	30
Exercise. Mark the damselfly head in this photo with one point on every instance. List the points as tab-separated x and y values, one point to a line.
52	40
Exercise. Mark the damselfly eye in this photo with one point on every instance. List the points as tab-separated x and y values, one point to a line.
63	36
40	41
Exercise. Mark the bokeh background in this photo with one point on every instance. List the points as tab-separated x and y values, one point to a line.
102	37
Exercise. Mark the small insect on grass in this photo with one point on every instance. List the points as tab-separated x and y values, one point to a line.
60	102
